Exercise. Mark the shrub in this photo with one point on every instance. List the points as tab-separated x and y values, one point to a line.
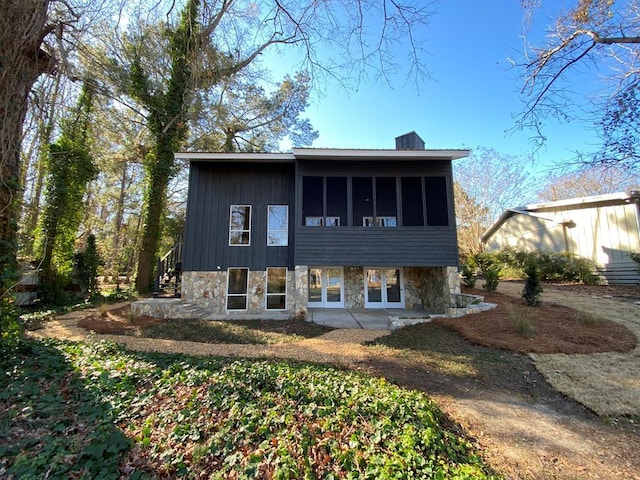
491	278
532	286
468	276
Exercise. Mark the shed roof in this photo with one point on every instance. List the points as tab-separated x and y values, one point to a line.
539	209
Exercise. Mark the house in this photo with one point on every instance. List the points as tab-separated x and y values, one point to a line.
603	228
321	228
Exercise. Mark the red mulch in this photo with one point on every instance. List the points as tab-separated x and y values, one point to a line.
118	322
558	329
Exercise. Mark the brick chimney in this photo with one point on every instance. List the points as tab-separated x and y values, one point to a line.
409	141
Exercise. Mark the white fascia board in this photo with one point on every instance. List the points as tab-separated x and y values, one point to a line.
363	154
235	157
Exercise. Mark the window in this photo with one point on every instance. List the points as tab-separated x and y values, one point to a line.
240	225
437	205
332	221
278	225
412	195
313	221
386	222
276	288
237	285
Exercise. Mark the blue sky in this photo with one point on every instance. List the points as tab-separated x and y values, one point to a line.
470	101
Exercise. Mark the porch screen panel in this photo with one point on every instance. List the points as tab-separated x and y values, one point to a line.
336	201
436	195
386	202
412	201
312	200
362	188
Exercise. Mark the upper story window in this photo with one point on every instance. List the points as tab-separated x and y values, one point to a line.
324	201
240	225
277	225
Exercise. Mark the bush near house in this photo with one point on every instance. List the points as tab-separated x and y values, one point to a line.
553	266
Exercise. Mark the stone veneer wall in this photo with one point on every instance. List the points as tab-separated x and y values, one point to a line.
353	287
429	288
208	290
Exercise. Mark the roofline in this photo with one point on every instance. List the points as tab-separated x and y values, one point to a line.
620	197
236	157
324	154
366	154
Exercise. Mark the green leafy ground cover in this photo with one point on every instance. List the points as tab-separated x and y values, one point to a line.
96	411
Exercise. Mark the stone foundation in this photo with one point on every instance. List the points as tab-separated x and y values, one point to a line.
426	289
208	291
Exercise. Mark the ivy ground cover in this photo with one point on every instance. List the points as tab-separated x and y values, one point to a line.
71	410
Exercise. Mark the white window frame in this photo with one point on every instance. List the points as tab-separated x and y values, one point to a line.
232	230
332	221
266	289
245	294
386	221
314	221
285	231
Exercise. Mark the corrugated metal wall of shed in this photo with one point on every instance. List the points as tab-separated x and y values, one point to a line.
213	187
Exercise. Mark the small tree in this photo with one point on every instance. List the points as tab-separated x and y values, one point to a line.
491	278
532	286
468	276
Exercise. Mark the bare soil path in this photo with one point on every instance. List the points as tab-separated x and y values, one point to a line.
526	428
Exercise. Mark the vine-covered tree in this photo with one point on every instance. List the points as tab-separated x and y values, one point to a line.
603	38
23	27
163	65
70	168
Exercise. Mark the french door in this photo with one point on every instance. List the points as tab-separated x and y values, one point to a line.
326	287
383	287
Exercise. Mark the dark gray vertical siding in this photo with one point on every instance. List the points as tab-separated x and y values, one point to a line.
354	245
213	187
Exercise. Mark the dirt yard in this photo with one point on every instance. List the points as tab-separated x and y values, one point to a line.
524	416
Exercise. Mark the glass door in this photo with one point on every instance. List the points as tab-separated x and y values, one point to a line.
383	288
326	287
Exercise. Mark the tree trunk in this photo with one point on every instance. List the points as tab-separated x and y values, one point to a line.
159	177
22	29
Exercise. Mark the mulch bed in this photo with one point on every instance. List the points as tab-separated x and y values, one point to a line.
557	329
118	322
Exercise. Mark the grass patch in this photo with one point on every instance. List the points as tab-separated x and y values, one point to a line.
97	411
434	347
261	332
587	318
521	319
